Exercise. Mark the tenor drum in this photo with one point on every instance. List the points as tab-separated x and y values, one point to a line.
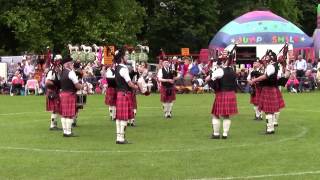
81	100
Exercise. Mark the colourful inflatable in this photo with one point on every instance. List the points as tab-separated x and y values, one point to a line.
260	27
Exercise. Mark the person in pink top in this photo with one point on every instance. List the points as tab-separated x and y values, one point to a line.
292	83
17	84
32	84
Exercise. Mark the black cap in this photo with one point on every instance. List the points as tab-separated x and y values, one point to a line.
67	59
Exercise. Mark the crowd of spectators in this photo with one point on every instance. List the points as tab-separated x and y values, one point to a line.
23	78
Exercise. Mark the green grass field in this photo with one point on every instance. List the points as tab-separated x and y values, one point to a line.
180	148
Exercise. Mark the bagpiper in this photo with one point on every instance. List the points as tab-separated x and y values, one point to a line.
270	100
124	104
52	93
223	80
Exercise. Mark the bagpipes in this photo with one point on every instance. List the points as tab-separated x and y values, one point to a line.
282	60
228	60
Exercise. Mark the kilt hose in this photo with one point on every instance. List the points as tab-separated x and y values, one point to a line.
124	106
68	104
254	99
111	96
167	95
53	105
270	100
225	104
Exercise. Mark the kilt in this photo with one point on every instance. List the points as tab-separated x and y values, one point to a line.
225	104
254	99
270	100
134	100
124	106
53	105
111	96
164	97
68	104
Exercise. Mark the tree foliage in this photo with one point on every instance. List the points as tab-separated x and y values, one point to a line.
37	24
31	25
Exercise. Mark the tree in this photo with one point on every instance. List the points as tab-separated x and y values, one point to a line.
180	23
37	24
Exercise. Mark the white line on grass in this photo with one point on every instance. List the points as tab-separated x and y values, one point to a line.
261	176
304	131
18	113
156	107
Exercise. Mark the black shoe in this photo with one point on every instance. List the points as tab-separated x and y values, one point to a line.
215	136
74	124
224	137
133	125
255	118
260	118
122	142
69	135
269	132
276	125
55	129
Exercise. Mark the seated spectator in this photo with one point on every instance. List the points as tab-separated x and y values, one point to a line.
242	81
17	84
32	85
292	83
2	84
309	82
197	84
102	84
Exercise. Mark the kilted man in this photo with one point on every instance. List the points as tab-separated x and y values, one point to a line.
166	77
124	104
111	94
52	93
225	102
69	85
270	100
255	89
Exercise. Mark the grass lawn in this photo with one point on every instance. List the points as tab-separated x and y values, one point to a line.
179	148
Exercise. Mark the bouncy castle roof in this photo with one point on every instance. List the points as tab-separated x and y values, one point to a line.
260	27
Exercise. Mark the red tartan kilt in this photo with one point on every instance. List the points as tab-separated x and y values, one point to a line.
53	105
124	106
111	96
255	99
68	102
270	100
164	97
134	100
225	104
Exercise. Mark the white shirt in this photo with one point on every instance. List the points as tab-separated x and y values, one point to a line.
301	65
270	70
51	76
217	74
124	72
73	77
109	73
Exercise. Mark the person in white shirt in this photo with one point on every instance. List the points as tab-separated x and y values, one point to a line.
167	78
270	100
124	104
52	84
300	67
225	102
69	85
